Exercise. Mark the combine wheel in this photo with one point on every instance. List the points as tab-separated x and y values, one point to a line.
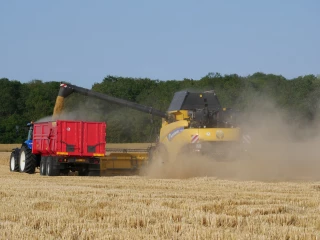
14	161
52	169
159	156
27	161
43	166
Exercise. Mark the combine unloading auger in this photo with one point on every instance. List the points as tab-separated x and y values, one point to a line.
67	89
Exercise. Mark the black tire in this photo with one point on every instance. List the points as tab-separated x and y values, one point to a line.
65	172
159	155
83	172
27	161
94	173
14	161
43	166
52	168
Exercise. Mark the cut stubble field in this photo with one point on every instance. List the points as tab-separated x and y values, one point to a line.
135	207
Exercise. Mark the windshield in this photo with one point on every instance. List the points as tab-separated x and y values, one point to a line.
30	133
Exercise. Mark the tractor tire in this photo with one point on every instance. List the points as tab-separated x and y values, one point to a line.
43	166
52	168
14	161
27	161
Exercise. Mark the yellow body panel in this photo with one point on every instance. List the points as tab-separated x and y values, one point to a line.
176	135
124	161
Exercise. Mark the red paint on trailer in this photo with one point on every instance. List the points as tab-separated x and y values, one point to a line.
69	138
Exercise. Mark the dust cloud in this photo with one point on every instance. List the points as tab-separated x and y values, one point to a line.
278	151
76	108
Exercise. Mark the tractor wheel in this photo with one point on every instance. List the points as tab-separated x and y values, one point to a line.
27	161
14	161
43	166
52	169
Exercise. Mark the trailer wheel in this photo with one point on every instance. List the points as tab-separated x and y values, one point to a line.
83	172
43	166
51	167
14	161
27	161
94	173
65	172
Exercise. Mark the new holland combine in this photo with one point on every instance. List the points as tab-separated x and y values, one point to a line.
195	123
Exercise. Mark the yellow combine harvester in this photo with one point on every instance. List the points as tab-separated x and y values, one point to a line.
195	123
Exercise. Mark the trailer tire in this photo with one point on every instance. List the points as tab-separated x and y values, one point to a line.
94	173
43	166
14	160
27	160
51	167
64	172
83	172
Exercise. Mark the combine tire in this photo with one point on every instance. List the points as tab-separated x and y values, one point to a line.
52	168
43	166
14	161
159	156
27	161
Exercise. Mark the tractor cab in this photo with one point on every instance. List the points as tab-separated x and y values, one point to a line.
28	142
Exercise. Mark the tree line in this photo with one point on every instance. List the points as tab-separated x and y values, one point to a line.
34	101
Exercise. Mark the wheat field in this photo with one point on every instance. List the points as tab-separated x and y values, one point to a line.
8	147
73	207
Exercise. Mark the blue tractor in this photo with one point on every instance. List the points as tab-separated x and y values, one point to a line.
22	159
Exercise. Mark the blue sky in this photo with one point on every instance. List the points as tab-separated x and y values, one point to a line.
83	41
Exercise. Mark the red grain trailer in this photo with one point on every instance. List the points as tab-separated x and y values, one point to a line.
58	147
